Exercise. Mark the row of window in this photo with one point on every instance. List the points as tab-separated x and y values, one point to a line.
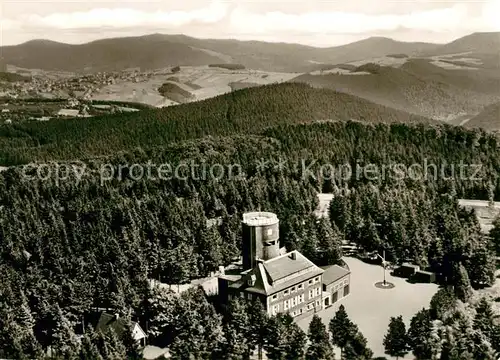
276	308
310	306
296	288
340	285
314	292
241	295
290	303
314	281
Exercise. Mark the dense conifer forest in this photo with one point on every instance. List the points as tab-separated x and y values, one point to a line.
243	111
74	244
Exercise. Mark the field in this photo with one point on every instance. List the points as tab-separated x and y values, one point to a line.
485	213
371	308
202	82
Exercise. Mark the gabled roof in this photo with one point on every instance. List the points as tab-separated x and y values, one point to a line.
333	273
107	321
286	265
279	273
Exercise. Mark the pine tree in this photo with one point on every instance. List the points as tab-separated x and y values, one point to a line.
319	347
65	343
484	319
481	267
357	349
342	329
442	302
236	342
461	283
330	251
396	341
258	320
420	335
495	235
284	339
160	307
88	348
132	346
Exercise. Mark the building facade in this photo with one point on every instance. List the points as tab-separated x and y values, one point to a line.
283	281
336	284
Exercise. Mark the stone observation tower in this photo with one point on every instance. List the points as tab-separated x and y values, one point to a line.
260	238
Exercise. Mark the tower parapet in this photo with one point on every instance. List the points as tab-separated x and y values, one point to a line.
260	237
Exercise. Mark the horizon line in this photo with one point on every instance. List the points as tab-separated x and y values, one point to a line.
236	39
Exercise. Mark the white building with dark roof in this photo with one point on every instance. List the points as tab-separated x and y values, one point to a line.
283	281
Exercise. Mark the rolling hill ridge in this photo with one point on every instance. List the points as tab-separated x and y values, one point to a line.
244	111
158	50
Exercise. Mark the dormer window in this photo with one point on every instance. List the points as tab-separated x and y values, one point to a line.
251	280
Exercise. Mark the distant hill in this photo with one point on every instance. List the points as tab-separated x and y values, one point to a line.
245	111
488	119
418	86
480	42
157	51
12	77
145	52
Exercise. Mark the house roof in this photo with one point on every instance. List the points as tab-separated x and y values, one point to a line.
333	273
119	325
285	265
278	273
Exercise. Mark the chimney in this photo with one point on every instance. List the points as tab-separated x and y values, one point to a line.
293	255
117	316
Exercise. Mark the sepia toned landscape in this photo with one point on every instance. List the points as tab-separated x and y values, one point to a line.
250	180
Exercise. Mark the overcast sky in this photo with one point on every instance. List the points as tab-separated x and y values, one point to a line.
311	22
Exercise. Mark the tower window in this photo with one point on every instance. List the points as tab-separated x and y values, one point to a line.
269	232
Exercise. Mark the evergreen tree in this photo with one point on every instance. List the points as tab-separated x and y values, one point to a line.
132	346
64	343
198	329
319	347
495	235
88	348
342	329
461	283
236	342
481	267
442	302
284	339
484	319
329	241
357	349
258	320
396	341
420	335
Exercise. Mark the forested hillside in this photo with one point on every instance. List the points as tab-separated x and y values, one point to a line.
70	245
418	86
489	118
244	111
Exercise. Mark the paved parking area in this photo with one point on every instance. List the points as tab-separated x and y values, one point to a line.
371	308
